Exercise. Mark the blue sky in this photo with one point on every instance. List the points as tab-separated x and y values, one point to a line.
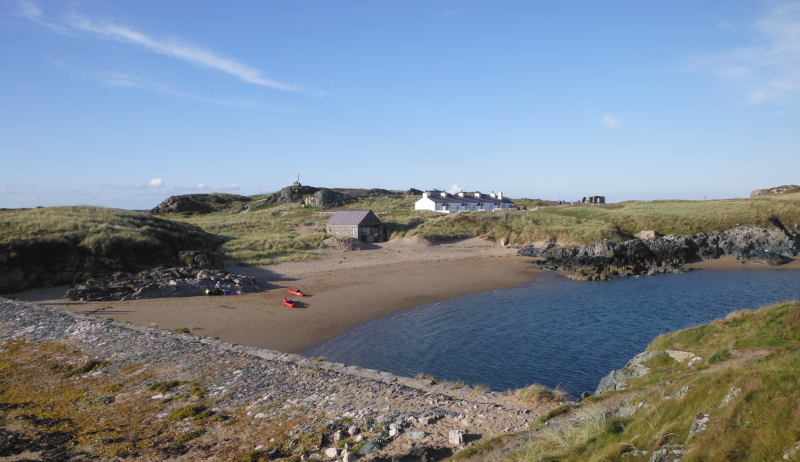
122	104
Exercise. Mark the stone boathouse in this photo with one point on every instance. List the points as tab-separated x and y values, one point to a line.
361	224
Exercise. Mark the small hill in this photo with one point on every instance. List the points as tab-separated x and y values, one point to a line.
785	189
56	245
200	203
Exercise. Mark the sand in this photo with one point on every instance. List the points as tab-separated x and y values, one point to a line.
344	289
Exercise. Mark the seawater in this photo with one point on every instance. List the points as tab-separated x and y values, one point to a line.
555	332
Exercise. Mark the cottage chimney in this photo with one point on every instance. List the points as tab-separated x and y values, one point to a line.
461	194
492	195
500	195
425	195
478	194
444	193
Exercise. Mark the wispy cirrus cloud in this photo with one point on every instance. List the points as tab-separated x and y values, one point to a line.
174	48
611	122
184	52
119	79
769	69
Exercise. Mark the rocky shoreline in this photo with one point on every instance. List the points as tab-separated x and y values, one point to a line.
667	254
414	419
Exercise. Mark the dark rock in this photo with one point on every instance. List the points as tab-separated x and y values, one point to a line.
160	283
667	254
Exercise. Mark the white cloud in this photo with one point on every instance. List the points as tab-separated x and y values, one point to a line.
117	79
185	52
200	186
611	122
174	48
153	183
768	70
455	189
30	10
228	187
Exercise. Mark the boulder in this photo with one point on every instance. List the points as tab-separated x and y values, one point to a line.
325	199
616	379
456	437
668	453
699	425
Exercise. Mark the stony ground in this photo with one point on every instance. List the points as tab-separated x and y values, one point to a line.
74	387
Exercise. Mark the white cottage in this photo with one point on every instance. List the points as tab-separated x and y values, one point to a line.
444	202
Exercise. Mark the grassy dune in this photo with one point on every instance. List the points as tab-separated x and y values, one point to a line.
118	239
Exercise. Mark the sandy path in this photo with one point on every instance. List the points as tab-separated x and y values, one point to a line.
344	289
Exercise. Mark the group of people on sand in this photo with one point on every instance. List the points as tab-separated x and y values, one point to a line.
222	289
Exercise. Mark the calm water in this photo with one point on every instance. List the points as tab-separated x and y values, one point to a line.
554	332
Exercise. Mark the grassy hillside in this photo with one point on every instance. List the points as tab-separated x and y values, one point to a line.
290	232
117	239
747	384
285	232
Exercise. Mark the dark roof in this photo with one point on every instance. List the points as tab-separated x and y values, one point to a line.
354	217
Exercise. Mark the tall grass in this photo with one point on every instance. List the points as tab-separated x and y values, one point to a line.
117	238
759	423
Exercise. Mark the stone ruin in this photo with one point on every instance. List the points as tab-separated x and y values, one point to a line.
594	200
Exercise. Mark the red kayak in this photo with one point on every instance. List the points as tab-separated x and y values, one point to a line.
297	292
288	302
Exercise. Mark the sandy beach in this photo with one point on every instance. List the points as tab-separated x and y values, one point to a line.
344	289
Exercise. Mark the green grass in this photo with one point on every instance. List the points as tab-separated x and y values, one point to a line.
116	239
759	423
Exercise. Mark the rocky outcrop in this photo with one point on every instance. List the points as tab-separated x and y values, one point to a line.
160	283
668	254
616	379
326	199
198	203
786	189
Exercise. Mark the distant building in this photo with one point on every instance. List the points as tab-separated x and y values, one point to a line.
444	202
360	224
594	200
